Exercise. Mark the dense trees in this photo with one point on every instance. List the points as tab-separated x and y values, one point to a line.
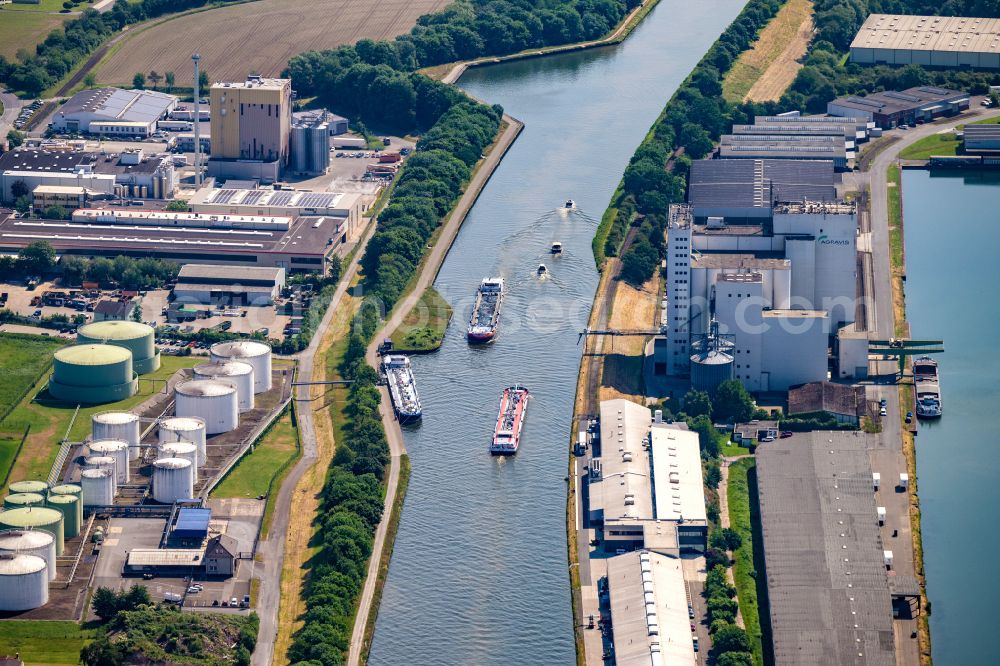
107	603
732	403
122	271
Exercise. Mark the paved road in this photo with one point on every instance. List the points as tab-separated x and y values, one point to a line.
11	107
273	549
393	434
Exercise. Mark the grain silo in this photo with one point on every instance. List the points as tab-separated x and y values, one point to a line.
711	360
184	451
215	403
24	582
173	480
134	336
98	487
28	487
71	507
118	425
92	374
256	354
18	500
185	429
31	542
236	373
117	449
35	518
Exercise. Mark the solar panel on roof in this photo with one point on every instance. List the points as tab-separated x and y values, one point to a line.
280	198
253	196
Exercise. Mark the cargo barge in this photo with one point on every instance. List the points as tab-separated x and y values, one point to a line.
486	312
928	387
402	389
510	419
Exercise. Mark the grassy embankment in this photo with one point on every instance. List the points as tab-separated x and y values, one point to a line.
945	144
771	44
897	259
44	643
49	421
424	327
742	498
262	471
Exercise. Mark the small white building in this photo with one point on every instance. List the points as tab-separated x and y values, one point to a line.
236	286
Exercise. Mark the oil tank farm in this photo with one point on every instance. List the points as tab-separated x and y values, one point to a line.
117	425
214	403
28	487
24	582
134	336
184	451
236	373
185	429
92	374
19	500
173	479
71	507
38	543
35	518
98	487
102	462
116	449
256	354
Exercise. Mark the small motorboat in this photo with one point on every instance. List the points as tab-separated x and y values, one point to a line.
570	203
542	270
556	248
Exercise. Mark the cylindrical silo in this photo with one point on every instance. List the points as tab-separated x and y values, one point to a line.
117	449
173	480
215	403
118	425
104	462
299	148
185	429
35	518
71	507
18	500
65	489
24	582
709	369
184	451
235	373
256	354
98	487
28	487
134	336
92	374
31	542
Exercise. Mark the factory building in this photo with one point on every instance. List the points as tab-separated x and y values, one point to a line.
744	191
207	284
982	139
780	147
818	515
891	108
646	487
932	41
847	131
844	402
862	126
69	198
329	208
113	112
251	128
779	289
649	615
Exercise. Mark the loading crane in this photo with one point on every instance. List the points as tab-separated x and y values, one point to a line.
902	348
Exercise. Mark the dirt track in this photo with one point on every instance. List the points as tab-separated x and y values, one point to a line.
780	74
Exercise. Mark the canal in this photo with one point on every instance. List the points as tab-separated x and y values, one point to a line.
479	570
952	232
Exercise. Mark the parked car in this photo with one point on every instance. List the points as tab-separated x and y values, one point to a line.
786	434
883	412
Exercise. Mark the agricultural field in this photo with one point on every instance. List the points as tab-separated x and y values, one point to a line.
44	643
25	29
257	37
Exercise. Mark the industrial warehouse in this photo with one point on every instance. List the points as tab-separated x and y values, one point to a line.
890	108
933	41
114	112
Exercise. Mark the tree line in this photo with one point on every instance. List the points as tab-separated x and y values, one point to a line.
39	258
66	47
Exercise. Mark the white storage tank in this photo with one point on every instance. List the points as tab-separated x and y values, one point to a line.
98	487
24	582
185	429
104	462
214	403
31	542
237	373
173	479
116	449
184	451
118	425
255	353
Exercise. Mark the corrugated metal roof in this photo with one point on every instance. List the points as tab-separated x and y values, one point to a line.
164	557
192	522
929	33
756	183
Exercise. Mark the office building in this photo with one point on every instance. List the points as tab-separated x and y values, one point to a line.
251	126
932	41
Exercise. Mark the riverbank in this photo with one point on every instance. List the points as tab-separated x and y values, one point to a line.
422	329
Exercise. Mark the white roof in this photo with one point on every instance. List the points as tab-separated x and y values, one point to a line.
649	610
625	489
677	481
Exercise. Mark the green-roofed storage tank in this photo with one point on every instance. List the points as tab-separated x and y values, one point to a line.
65	489
71	507
17	500
35	518
138	338
28	487
92	374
